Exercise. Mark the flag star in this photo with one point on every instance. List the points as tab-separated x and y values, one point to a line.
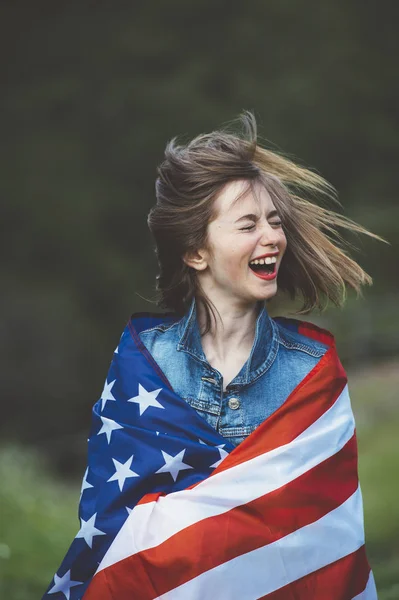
116	350
63	584
108	427
223	455
202	442
129	510
85	484
122	472
88	531
173	464
146	399
107	394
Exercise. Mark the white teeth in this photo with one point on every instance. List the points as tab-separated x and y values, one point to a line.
264	261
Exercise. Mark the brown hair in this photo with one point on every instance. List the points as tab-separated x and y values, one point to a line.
315	267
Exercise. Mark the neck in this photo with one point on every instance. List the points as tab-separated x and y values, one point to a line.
234	327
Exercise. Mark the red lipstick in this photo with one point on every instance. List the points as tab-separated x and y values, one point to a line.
266	276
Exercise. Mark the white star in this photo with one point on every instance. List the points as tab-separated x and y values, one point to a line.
201	442
88	531
85	484
223	455
116	350
173	464
122	472
107	394
146	399
129	510
63	584
108	427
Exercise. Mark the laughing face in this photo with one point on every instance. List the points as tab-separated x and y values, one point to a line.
246	244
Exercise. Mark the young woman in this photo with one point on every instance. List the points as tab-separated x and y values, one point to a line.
228	465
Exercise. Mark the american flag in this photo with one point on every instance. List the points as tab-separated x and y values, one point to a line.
171	510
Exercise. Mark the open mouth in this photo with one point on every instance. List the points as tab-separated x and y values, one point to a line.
264	268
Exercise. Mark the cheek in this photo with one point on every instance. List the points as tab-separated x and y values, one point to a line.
283	242
230	269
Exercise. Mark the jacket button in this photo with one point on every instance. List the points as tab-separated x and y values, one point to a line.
234	403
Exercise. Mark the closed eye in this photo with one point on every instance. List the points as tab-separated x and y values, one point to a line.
273	224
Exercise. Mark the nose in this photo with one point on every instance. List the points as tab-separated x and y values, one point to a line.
270	236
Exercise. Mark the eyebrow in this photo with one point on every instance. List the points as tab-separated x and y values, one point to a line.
253	217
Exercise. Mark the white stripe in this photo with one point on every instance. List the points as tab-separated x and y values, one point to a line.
264	570
369	592
150	524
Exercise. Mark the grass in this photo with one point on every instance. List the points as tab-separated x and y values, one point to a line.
378	472
374	393
39	512
38	521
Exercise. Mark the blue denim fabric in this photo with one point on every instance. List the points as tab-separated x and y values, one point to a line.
280	358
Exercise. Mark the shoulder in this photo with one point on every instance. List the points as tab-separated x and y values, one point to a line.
294	334
160	330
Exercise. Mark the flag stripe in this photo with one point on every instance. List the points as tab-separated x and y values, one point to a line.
370	592
340	579
316	393
153	523
306	403
150	524
299	503
315	332
312	547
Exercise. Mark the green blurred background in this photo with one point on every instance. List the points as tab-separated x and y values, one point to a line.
91	93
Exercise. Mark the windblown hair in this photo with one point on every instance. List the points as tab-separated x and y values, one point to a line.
315	267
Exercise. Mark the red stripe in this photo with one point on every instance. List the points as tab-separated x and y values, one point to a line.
215	540
153	497
341	580
316	393
316	333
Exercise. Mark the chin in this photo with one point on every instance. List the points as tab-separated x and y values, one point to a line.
267	294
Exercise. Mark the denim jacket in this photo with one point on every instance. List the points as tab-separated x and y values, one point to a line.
280	358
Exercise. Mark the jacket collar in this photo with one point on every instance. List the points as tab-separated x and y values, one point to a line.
263	351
